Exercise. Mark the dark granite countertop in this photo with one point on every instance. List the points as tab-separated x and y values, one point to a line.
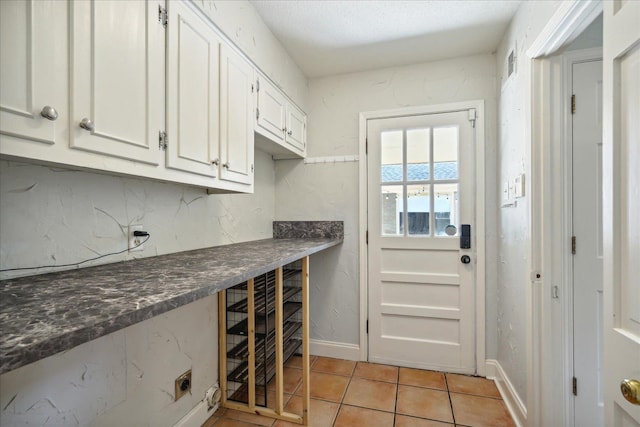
50	313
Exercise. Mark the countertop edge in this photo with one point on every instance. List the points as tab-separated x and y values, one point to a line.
25	355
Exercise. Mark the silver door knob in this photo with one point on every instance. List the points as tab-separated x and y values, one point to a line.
49	113
215	162
87	124
226	165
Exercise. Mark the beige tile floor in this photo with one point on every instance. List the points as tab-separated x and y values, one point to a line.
346	393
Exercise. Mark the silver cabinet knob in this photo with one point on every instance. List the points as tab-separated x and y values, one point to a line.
226	165
87	124
290	133
49	113
284	130
215	162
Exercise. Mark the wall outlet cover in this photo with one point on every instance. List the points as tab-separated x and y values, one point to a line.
135	242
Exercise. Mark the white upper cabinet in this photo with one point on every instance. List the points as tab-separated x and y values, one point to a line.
193	98
296	128
280	125
271	111
236	117
117	78
33	70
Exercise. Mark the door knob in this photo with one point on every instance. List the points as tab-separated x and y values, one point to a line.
631	390
49	113
87	124
465	259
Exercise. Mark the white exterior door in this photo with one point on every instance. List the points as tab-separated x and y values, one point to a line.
621	224
420	193
193	96
32	69
587	228
117	78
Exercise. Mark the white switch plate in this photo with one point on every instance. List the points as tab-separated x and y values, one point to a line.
134	241
518	184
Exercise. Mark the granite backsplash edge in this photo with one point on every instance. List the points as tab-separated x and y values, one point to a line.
308	229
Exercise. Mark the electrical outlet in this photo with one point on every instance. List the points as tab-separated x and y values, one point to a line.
135	241
183	384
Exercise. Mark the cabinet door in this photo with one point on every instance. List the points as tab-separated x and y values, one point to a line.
117	81
33	68
192	92
236	117
271	111
296	128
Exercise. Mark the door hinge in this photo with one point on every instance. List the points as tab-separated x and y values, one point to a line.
573	245
574	384
573	104
257	113
163	140
471	115
367	326
163	16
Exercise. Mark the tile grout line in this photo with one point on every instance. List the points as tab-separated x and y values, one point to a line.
446	383
395	407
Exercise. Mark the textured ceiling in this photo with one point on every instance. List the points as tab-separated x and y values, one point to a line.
326	37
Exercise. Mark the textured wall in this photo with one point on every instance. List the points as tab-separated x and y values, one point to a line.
239	21
514	157
329	191
125	378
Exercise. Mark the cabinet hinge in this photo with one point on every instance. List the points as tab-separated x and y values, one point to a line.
574	386
367	327
366	146
573	104
573	245
251	167
367	237
163	16
257	85
257	113
251	87
163	140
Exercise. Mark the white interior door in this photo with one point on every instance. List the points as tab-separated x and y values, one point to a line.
587	229
621	231
421	295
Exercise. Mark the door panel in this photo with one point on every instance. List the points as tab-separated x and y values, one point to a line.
296	123
272	106
118	78
587	261
621	184
421	310
236	117
32	68
193	96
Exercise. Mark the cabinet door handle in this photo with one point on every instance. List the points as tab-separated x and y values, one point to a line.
226	165
216	162
87	124
49	113
290	133
284	130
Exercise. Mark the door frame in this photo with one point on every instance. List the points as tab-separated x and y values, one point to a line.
479	142
549	317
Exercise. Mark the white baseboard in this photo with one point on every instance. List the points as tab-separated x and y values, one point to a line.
197	416
514	403
336	350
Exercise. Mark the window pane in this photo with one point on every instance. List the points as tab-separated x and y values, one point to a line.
392	210
418	154
418	208
445	153
447	210
391	156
